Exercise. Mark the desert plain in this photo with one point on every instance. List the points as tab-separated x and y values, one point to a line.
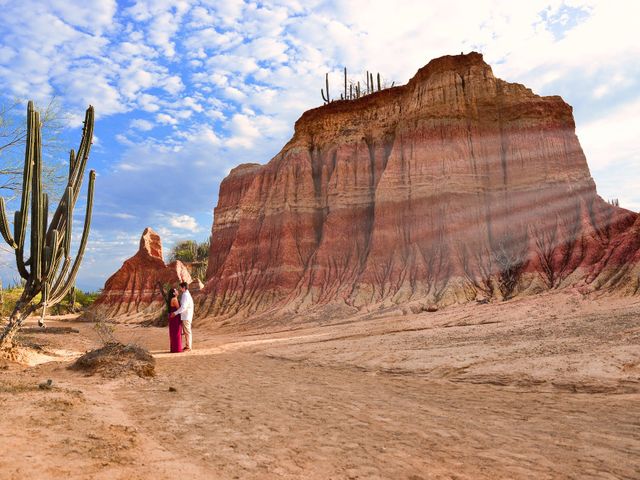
537	387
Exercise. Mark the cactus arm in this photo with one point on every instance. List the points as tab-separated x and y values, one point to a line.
64	288
77	173
4	226
323	97
57	283
36	208
69	221
83	153
51	257
45	215
57	256
72	161
20	224
20	263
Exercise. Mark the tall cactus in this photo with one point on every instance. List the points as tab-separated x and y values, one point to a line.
48	270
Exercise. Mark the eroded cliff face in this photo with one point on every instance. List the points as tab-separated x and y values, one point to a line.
454	187
133	293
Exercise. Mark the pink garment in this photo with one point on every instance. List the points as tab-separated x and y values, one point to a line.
175	332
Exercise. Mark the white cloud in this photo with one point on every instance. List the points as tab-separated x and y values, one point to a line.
6	53
608	87
184	222
134	78
148	103
173	84
192	104
268	49
165	119
122	139
234	94
141	124
244	132
95	16
120	215
613	138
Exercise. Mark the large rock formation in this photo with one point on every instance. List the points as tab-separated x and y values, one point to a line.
454	187
133	292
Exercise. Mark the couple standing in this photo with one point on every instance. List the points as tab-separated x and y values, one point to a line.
180	317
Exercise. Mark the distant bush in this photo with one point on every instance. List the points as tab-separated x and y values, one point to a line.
83	299
86	298
195	255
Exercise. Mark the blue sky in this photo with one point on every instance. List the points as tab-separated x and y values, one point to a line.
186	90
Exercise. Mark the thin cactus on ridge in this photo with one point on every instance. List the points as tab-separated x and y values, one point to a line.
354	91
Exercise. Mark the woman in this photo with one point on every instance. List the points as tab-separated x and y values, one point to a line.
175	323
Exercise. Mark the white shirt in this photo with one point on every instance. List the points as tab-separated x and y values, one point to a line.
186	307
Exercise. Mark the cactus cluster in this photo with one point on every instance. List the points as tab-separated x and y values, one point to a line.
48	270
354	91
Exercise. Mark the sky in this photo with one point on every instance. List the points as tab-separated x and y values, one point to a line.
185	90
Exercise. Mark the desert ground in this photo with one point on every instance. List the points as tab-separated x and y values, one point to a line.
542	387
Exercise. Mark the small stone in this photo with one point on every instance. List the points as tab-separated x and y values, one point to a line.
173	389
48	385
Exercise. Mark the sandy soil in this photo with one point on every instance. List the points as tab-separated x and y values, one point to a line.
545	387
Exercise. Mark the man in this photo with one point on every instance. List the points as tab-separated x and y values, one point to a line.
186	310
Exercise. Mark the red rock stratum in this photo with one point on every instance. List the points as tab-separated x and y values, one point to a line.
454	187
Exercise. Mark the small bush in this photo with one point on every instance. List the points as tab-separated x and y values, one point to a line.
106	332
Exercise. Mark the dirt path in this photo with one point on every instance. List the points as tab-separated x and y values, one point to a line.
370	399
252	417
